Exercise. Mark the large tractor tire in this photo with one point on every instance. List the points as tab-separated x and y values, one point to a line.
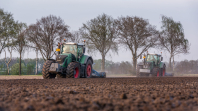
138	74
156	72
60	76
45	71
88	69
163	71
73	70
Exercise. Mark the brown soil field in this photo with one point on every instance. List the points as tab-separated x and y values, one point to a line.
104	94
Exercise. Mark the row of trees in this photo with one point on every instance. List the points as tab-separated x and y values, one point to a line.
135	34
28	66
124	67
102	34
187	67
11	37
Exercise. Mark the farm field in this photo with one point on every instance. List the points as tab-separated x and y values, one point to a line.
106	94
108	76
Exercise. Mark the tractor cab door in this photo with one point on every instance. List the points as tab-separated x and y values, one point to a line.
158	60
80	51
155	59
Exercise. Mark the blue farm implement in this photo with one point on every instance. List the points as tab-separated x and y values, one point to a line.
96	74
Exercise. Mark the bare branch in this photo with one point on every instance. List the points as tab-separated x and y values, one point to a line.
100	35
46	32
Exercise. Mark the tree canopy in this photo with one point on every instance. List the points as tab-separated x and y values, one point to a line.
136	34
7	29
172	38
100	36
46	33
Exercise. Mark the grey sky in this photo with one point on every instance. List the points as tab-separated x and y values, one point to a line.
76	12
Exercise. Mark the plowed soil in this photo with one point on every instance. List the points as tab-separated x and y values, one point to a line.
109	94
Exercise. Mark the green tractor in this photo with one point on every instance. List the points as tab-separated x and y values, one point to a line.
70	63
152	66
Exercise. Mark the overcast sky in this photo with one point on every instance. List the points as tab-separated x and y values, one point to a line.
76	12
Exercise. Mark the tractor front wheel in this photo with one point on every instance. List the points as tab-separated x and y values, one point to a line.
45	71
163	71
73	70
156	72
88	69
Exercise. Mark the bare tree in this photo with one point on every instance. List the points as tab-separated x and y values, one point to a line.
172	38
46	32
100	36
76	37
36	72
21	42
135	34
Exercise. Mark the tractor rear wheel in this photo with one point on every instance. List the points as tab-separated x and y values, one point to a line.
138	74
60	76
156	72
45	71
73	70
88	69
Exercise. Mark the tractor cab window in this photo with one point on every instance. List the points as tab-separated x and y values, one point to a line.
80	50
67	48
158	58
152	58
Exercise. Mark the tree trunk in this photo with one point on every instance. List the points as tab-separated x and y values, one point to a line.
8	69
173	64
134	63
20	65
7	63
36	72
170	63
103	62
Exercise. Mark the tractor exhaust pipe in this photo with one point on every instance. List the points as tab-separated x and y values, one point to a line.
144	58
58	48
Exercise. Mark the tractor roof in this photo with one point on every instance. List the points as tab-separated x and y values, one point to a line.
72	43
80	43
154	54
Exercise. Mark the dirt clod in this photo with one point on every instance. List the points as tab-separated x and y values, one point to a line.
123	96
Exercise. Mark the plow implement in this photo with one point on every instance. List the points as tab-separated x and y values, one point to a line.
96	74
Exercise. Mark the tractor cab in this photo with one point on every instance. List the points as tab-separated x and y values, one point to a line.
155	58
68	48
77	50
69	52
